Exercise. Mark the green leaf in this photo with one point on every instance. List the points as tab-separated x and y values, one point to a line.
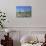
4	13
3	19
4	16
0	12
2	26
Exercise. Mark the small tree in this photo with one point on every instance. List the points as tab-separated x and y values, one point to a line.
2	19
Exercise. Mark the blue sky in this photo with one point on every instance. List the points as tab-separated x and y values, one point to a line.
23	8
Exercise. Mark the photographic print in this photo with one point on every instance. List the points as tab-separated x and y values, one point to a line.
23	11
